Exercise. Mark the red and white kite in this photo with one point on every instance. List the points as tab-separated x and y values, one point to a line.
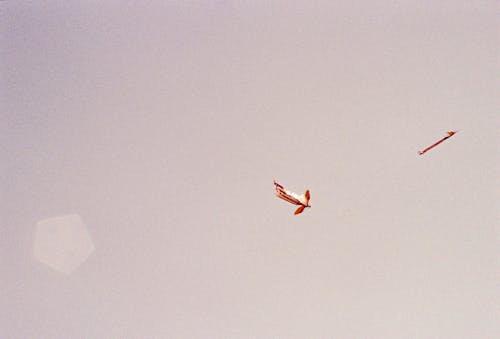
450	134
302	200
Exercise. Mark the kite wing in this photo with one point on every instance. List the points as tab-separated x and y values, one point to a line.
282	193
287	197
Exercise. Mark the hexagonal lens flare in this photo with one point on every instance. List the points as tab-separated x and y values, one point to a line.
62	243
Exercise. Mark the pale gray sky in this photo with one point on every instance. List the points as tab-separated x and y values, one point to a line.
163	124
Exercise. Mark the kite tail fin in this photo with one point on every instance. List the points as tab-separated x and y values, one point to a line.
299	210
308	197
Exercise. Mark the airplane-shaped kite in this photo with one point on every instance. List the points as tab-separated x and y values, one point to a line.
450	134
302	200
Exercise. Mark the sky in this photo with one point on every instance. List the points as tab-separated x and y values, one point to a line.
162	125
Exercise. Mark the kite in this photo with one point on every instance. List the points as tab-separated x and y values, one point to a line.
302	200
450	134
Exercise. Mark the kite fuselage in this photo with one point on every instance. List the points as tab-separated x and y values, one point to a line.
450	134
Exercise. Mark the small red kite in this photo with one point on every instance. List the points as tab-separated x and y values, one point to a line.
302	200
450	134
